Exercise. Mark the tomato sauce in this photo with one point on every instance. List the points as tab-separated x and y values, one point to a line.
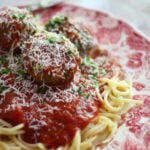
51	115
53	124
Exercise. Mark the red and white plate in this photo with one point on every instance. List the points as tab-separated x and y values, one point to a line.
132	51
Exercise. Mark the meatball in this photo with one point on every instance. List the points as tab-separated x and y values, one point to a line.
15	26
50	58
77	33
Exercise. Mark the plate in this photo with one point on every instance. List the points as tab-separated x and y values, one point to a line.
132	51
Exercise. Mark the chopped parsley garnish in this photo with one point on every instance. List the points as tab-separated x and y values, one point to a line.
88	61
70	52
95	82
52	39
21	72
65	74
18	16
41	90
52	23
88	96
38	66
101	70
84	84
94	74
56	20
2	59
63	38
19	59
103	62
41	102
4	71
1	88
94	69
79	91
59	19
75	88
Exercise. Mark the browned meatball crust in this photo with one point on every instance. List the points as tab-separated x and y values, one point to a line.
77	33
50	58
15	26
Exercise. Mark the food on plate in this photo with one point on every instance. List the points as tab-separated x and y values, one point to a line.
50	58
16	25
76	32
52	98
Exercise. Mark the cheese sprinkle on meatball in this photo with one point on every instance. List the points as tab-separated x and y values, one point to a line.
16	25
50	58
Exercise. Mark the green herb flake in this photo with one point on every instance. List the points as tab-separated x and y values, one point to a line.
79	91
63	38
15	16
51	24
103	62
65	74
1	88
18	59
83	84
95	82
41	90
59	20
41	102
18	16
55	21
2	60
4	71
88	96
21	72
38	66
87	61
95	74
52	39
101	70
82	63
70	52
75	88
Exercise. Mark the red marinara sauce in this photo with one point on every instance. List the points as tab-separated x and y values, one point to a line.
51	115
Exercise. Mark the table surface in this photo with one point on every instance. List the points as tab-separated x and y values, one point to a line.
136	13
